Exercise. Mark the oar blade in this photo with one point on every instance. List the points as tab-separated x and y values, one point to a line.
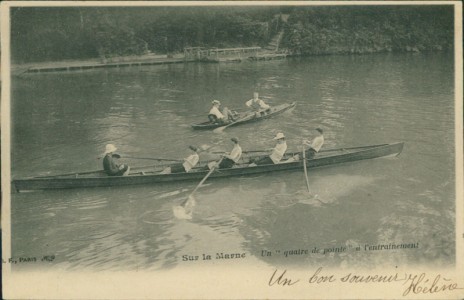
220	129
181	213
185	210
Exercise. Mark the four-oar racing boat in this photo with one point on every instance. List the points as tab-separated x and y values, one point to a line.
151	174
247	117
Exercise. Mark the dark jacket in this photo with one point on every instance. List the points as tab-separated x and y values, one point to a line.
110	166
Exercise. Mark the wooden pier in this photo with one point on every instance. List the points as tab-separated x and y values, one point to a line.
97	65
230	54
191	54
220	54
269	56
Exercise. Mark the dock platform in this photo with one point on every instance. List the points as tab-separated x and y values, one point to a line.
98	65
269	56
229	55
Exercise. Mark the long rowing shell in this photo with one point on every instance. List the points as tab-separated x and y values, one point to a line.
151	174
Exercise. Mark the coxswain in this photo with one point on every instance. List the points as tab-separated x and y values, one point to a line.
277	152
189	163
258	105
315	145
110	166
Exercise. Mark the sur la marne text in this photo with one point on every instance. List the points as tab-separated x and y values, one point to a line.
220	255
420	283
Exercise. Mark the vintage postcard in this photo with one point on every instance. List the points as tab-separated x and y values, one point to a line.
232	150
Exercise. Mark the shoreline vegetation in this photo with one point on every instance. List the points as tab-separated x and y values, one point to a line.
73	36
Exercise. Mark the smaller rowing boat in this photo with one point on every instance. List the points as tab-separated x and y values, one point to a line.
247	117
153	175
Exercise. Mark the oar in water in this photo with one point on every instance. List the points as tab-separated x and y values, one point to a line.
180	211
222	128
202	181
305	168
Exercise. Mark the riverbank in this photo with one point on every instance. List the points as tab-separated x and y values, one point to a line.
152	59
117	33
128	61
76	65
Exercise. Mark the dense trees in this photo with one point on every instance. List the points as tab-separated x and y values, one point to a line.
56	33
349	29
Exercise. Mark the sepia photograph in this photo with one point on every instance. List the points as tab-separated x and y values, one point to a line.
232	150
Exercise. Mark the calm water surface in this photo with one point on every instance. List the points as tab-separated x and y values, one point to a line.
62	121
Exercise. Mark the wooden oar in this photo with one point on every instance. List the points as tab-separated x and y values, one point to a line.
326	150
69	174
249	151
352	148
153	158
305	168
146	158
222	128
337	149
202	181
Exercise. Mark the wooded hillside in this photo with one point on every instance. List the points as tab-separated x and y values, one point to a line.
366	29
57	33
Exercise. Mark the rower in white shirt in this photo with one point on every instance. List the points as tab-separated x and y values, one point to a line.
258	105
315	145
216	116
189	163
277	152
229	160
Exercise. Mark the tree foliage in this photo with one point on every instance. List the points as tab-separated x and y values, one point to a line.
348	29
57	33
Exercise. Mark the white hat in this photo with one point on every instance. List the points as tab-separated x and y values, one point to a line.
279	136
110	148
216	102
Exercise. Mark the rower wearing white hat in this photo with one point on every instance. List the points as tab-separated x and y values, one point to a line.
216	116
277	153
215	110
110	166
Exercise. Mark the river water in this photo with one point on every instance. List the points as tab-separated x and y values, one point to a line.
62	121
